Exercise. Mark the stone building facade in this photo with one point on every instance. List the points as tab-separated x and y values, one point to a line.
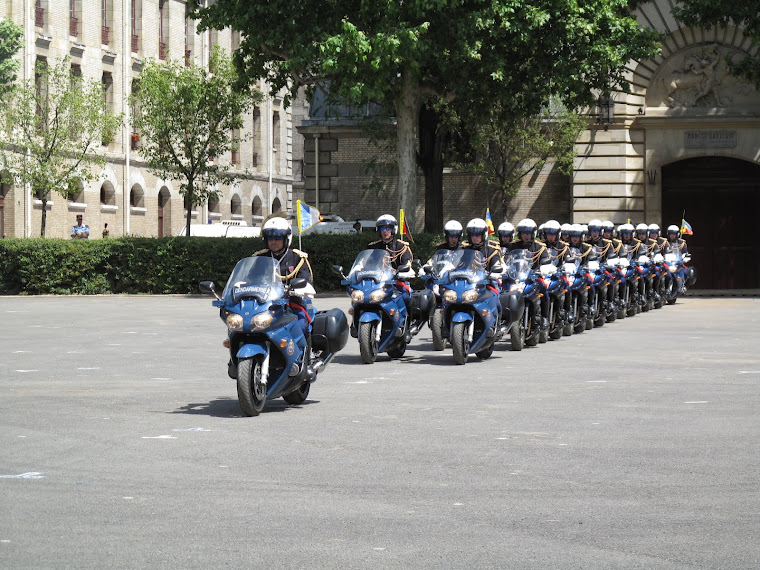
109	40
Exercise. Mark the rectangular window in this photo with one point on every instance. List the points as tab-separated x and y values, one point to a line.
135	24
75	13
106	15
189	39
40	13
163	29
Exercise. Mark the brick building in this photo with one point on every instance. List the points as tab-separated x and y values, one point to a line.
109	40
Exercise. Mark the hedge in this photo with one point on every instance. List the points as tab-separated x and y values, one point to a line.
161	265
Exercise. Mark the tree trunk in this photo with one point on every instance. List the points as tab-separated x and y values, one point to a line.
433	141
43	221
407	111
189	199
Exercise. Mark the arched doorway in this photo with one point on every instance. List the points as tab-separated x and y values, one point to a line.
721	200
4	189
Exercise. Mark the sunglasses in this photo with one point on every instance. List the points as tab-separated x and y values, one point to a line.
382	228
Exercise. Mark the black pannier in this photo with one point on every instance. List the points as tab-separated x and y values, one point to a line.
423	304
329	331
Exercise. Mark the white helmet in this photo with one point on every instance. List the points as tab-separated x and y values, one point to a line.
672	229
625	228
506	231
575	230
277	227
642	227
477	226
654	228
452	229
607	226
565	227
595	225
526	225
387	220
551	225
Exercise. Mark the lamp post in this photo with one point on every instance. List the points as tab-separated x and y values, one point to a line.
605	105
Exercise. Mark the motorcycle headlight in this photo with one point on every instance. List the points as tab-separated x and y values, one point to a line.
672	268
376	296
519	287
357	296
234	322
262	320
469	296
450	296
570	279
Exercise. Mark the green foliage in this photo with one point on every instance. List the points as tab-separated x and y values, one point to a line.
10	43
163	265
51	130
504	149
740	13
186	116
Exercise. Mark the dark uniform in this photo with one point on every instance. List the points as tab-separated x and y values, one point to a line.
491	254
603	248
558	251
680	244
539	254
294	264
445	245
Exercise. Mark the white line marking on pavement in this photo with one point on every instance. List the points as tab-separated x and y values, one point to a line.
697	402
159	437
27	370
21	351
89	368
596	381
191	429
749	371
30	475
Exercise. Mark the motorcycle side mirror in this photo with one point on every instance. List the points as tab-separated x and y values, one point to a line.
416	264
298	283
403	269
207	288
338	269
428	269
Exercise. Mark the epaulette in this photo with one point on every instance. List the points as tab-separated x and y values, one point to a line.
261	252
301	254
374	242
402	242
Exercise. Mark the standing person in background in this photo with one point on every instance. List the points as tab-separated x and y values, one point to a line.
80	230
106	231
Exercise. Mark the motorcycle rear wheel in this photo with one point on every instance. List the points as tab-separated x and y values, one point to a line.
368	342
485	353
517	335
459	342
398	349
436	327
299	396
252	393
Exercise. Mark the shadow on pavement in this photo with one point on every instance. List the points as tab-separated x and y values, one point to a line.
230	408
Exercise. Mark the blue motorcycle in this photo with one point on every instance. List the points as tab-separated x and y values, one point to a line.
519	279
270	356
676	275
381	320
471	306
577	293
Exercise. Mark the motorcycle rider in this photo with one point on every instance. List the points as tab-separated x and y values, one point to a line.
608	230
400	252
293	263
555	247
452	236
477	234
506	233
654	234
526	234
564	232
606	250
642	233
675	242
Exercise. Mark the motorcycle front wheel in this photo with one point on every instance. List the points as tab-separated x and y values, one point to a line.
252	392
368	342
459	342
436	327
298	397
517	335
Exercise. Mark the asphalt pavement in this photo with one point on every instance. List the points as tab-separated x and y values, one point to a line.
122	445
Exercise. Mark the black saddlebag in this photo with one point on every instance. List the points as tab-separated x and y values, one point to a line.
329	331
422	305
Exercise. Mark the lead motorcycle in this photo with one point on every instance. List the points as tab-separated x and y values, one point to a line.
520	281
270	357
381	320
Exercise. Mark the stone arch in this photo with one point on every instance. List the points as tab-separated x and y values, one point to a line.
276	205
236	207
164	211
6	207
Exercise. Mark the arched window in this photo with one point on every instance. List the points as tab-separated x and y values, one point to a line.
136	197
107	194
276	205
235	208
257	209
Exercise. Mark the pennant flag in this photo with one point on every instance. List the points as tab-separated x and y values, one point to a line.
307	216
489	222
686	228
404	227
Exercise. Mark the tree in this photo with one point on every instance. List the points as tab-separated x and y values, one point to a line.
504	150
518	53
10	43
742	13
185	117
52	129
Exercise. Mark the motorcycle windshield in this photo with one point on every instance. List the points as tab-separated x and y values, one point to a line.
626	251
518	263
574	255
255	277
372	264
460	264
673	255
442	262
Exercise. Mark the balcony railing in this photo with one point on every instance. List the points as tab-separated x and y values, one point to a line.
73	26
39	17
135	43
161	50
105	35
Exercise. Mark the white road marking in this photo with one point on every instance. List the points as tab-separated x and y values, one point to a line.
21	351
89	368
191	429
596	381
30	475
27	370
749	371
697	402
159	437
